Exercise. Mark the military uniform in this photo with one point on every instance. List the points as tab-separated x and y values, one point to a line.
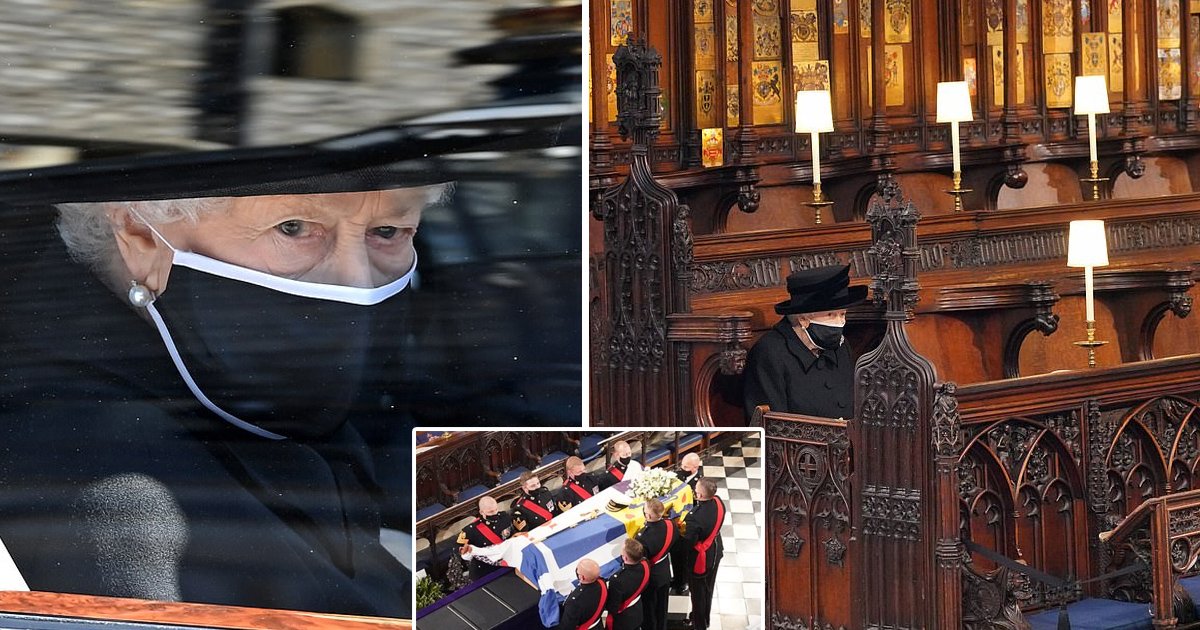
625	596
615	474
680	549
657	538
702	528
485	532
576	490
530	511
582	608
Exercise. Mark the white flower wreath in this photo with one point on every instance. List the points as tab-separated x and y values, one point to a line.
653	484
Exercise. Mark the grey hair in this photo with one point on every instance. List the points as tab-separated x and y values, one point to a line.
87	231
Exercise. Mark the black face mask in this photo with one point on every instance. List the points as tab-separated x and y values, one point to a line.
278	357
625	460
826	337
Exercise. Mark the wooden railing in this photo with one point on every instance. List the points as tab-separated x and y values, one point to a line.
1165	534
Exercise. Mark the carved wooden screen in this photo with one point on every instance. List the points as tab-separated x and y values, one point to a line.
808	522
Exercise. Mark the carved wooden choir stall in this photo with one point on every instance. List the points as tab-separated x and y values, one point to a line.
988	474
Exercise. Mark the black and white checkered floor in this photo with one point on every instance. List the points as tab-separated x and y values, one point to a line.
737	604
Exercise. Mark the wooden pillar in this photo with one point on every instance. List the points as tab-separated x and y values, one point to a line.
1010	118
880	129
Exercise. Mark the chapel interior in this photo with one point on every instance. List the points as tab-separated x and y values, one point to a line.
1023	446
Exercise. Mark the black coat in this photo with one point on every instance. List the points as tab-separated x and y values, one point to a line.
582	604
783	373
627	583
658	538
480	533
699	523
115	481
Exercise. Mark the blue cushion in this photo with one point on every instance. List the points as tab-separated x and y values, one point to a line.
689	439
657	456
513	473
1096	614
471	493
550	458
429	510
1192	586
589	446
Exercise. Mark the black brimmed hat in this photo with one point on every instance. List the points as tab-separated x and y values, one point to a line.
820	289
405	154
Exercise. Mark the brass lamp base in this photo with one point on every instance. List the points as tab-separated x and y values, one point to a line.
1091	344
1095	180
958	191
818	202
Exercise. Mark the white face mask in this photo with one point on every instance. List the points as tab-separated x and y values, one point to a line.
296	381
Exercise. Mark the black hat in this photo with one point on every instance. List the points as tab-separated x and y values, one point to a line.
820	289
399	155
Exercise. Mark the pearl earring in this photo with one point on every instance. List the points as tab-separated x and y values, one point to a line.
139	295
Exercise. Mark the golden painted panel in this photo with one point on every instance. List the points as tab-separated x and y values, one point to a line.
994	16
620	20
733	108
610	88
1194	7
731	37
1095	53
971	76
712	142
997	76
1020	73
893	75
1116	63
1194	51
706	47
841	17
803	5
1115	16
706	99
864	18
1058	31
899	21
768	92
1085	16
804	36
766	7
767	37
1168	24
703	12
811	75
1170	75
1022	21
1058	80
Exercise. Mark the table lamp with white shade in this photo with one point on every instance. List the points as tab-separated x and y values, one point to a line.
1091	98
1087	247
814	114
954	106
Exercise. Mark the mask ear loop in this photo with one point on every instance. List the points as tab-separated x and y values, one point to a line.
140	296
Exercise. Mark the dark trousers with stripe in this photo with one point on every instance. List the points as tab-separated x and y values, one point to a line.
654	607
702	587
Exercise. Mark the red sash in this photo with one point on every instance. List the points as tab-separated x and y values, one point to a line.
599	609
578	489
532	506
617	472
487	532
608	622
667	540
701	565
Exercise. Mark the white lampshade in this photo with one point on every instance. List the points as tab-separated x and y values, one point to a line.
1086	244
813	111
1091	95
953	102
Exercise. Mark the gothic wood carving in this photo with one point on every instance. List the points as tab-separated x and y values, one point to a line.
647	264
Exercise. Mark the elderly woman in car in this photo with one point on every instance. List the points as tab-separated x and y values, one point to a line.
179	380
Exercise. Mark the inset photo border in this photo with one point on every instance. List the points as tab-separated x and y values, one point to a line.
527	529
